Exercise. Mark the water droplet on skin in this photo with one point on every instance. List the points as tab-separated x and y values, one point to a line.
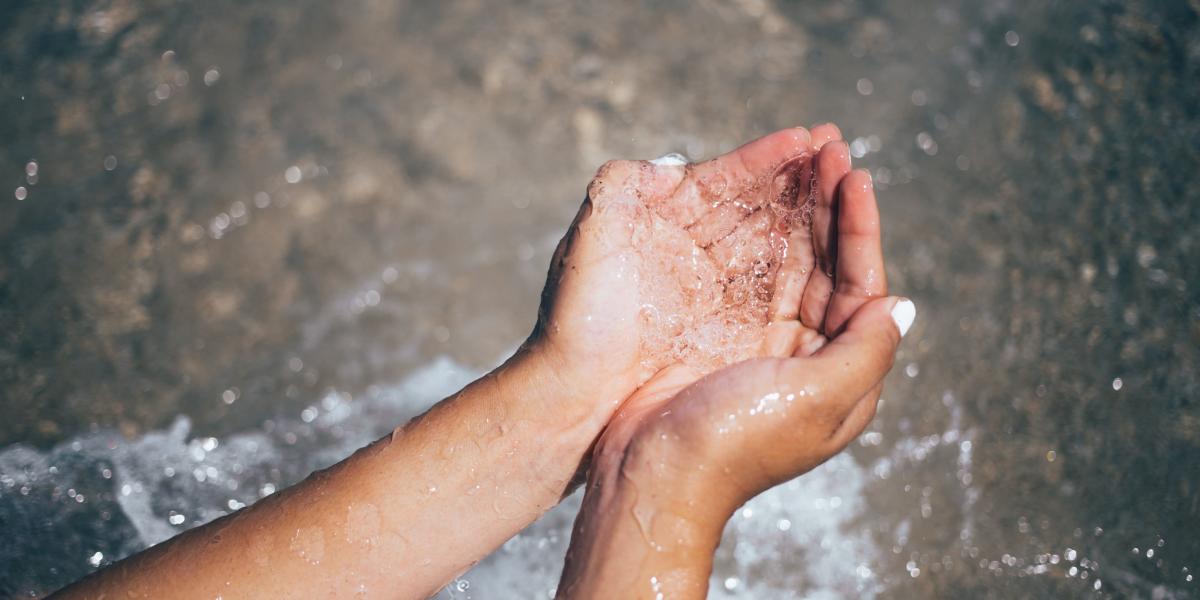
362	523
309	544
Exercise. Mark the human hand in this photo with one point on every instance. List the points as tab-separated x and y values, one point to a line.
696	265
761	422
681	455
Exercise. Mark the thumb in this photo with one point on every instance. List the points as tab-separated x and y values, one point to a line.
857	359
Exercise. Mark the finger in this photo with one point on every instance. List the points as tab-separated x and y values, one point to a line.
860	270
855	361
832	164
798	261
823	134
741	168
810	344
794	272
793	276
860	416
780	338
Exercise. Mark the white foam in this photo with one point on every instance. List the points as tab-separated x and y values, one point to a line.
673	159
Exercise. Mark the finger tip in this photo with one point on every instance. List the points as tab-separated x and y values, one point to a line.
859	181
834	157
825	133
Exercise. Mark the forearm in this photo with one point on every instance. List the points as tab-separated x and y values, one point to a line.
399	518
642	533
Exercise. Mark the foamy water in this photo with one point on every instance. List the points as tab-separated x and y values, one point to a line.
796	540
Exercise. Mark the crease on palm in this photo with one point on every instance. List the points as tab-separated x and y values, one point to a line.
797	255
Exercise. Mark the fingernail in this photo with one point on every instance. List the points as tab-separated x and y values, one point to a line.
903	314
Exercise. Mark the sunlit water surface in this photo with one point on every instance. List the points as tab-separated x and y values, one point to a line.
241	240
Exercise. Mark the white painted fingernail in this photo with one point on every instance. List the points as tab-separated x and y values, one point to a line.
903	314
673	159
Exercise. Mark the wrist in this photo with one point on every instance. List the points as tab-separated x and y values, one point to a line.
639	535
585	387
655	468
541	391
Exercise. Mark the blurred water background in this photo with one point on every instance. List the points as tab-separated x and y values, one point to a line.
238	240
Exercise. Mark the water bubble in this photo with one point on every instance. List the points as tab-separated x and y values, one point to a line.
927	144
96	559
1117	384
21	193
31	168
864	86
859	148
731	583
175	518
309	544
110	162
211	76
308	415
1011	38
293	174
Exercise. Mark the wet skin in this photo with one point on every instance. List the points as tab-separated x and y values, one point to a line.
617	311
685	450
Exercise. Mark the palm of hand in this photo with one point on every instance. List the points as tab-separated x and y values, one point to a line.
765	420
688	265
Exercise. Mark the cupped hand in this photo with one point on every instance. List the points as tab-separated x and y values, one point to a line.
695	266
750	426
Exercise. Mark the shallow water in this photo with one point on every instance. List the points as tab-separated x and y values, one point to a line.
243	240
